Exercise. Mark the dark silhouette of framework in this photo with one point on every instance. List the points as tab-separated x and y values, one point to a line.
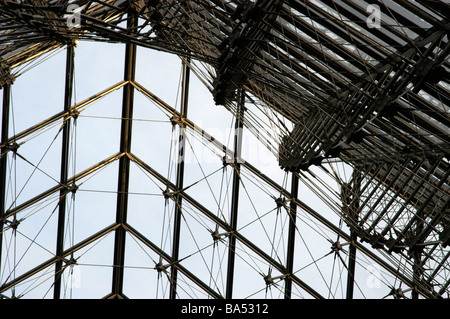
363	83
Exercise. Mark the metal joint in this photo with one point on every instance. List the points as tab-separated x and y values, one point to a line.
281	202
178	120
12	224
73	113
269	280
71	261
12	147
218	236
72	188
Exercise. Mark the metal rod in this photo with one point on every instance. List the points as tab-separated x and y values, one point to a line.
351	265
3	160
417	253
417	273
64	171
124	162
239	124
354	212
291	237
179	178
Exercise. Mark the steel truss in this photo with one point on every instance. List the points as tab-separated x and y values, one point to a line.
331	87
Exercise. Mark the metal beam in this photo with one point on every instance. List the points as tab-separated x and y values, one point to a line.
180	177
353	212
124	162
64	170
418	270
351	265
239	124
3	160
291	237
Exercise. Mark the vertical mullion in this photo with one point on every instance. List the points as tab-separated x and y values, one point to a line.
417	254
124	162
354	211
3	159
291	236
64	171
235	193
179	178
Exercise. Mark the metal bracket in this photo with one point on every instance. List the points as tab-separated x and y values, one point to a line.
12	147
218	236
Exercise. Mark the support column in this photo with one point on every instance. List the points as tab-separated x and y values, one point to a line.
124	162
3	159
417	273
235	192
180	179
351	265
64	172
291	236
417	254
353	201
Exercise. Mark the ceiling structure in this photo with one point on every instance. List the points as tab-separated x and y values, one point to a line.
364	82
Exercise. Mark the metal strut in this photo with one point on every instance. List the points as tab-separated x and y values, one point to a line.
417	254
64	172
180	178
124	162
235	192
3	160
291	237
353	212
